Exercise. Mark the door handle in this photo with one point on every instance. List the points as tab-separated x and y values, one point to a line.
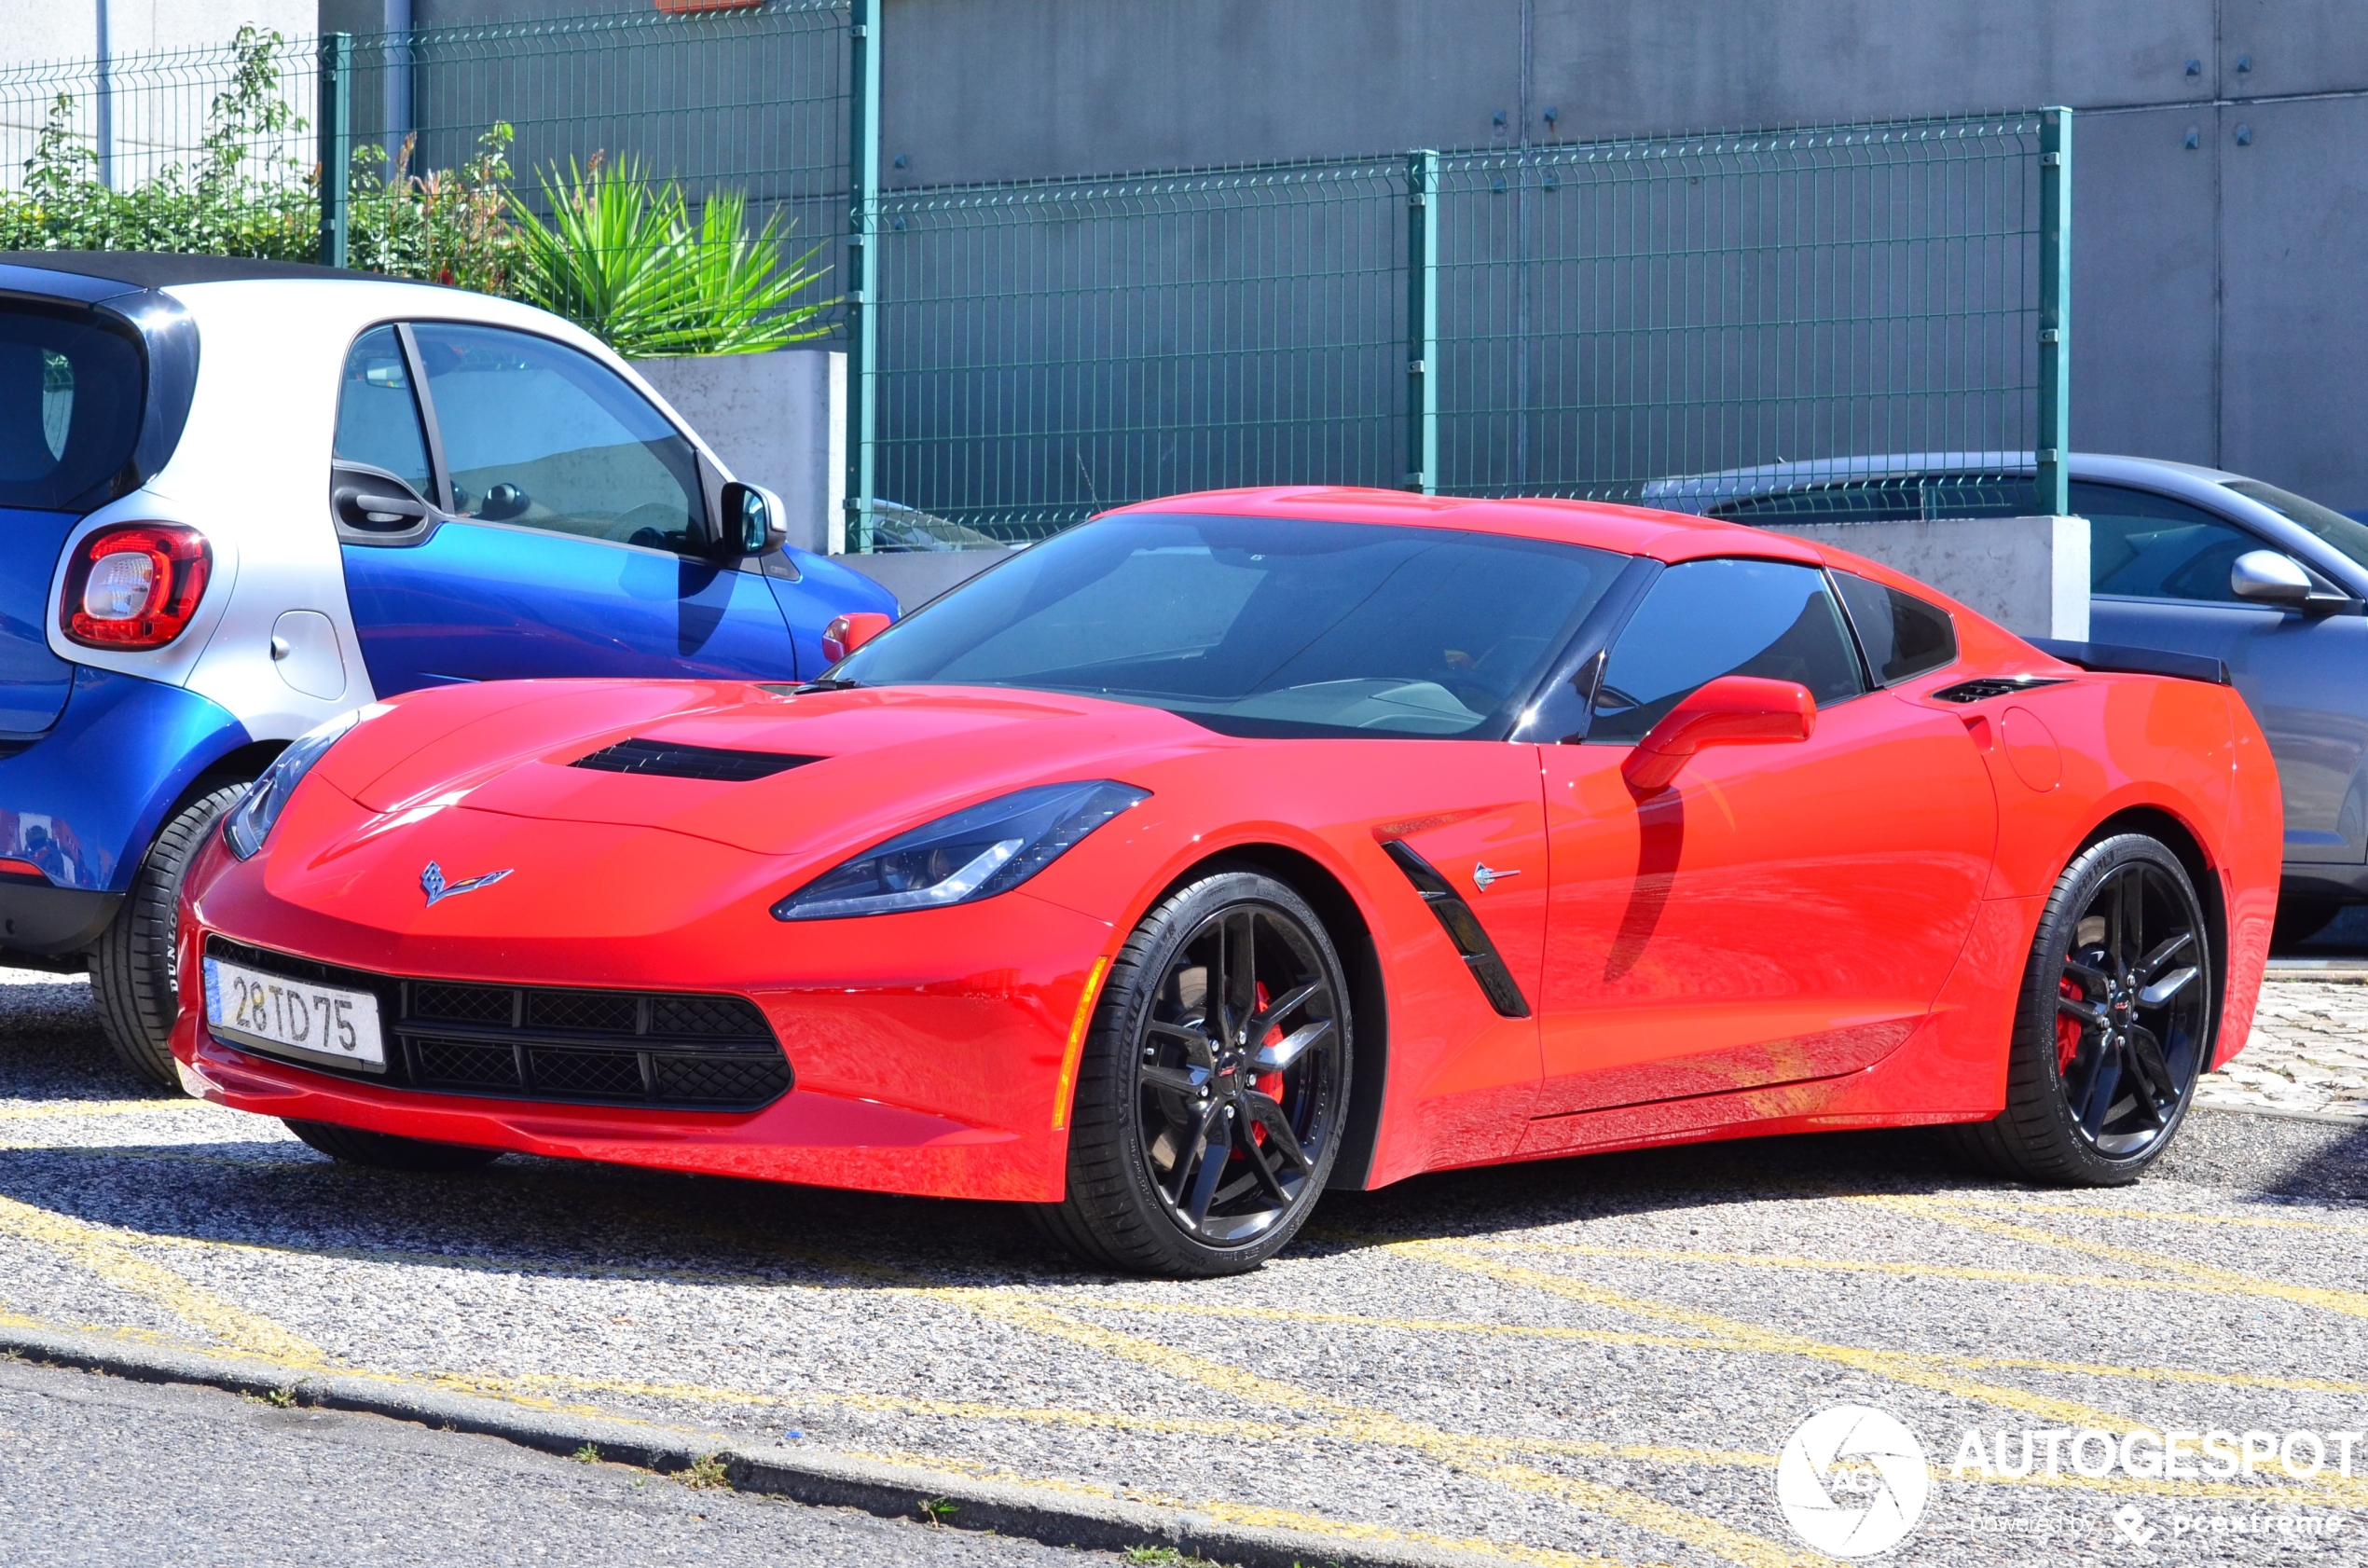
365	509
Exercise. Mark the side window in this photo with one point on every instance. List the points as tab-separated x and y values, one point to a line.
538	434
378	416
2150	546
1902	635
1704	619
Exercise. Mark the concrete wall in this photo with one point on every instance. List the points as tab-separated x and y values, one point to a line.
777	419
2029	574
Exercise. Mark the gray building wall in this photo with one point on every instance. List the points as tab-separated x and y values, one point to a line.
2216	289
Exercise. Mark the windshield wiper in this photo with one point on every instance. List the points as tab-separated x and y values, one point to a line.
827	683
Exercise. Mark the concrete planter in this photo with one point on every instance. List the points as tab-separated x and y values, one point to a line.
2029	574
774	420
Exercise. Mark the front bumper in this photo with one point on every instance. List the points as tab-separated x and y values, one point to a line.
948	1082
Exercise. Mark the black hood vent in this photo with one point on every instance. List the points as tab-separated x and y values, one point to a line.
668	760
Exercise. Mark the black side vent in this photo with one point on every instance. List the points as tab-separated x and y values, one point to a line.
1463	928
670	760
1994	686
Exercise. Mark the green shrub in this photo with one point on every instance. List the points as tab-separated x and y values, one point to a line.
242	194
448	226
621	257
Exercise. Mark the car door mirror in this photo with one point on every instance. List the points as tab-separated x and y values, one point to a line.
754	522
2269	577
1731	710
848	632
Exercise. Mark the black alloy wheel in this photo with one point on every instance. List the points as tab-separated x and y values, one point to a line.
2115	1021
1215	1085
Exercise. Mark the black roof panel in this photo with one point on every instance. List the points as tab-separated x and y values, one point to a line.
156	269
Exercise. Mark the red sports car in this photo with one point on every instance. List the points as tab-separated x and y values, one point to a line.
1236	846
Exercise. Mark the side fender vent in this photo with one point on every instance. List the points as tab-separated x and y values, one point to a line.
1463	928
668	760
1991	686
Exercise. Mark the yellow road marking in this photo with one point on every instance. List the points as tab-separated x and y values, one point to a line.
1636	1509
2352	1303
2257	1222
49	1110
1692	1342
108	1254
1847	1266
1899	1366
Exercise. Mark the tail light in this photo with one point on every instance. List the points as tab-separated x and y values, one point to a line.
848	632
134	585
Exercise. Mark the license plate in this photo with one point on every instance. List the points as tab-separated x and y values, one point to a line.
294	1017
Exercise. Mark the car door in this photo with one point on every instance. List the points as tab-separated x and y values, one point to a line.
531	514
2159	575
1780	912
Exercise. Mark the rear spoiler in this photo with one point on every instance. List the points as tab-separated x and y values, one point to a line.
2110	659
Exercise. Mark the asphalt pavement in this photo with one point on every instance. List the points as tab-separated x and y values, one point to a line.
1581	1361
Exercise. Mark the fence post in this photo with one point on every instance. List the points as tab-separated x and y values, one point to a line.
2054	436
336	143
1422	321
863	272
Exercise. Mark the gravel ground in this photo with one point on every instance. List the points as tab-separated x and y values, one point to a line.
1585	1359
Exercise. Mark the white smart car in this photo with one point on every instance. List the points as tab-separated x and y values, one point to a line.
242	499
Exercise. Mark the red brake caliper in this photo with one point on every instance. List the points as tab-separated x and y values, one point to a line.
1268	1084
2067	1029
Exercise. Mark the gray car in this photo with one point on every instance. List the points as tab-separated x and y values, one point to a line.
2188	559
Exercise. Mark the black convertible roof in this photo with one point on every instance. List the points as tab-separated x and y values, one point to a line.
157	269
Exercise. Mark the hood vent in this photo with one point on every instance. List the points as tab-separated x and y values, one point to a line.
666	760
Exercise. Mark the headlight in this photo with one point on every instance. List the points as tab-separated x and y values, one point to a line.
976	853
250	822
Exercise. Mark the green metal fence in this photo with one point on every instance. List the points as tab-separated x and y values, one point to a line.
1580	320
1590	319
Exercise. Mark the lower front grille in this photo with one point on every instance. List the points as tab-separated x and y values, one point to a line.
647	1048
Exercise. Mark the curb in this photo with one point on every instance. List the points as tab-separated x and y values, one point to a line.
815	1478
2279	1113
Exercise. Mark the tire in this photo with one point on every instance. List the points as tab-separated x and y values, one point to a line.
2099	1077
1156	1088
132	969
384	1151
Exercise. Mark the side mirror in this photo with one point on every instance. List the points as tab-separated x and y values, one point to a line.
1731	710
755	523
848	632
2268	577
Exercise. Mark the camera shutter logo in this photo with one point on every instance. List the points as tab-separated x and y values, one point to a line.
1852	1481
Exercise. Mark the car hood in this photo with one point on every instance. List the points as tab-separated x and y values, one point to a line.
882	760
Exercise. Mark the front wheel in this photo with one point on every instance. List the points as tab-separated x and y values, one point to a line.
2112	1026
133	968
1214	1085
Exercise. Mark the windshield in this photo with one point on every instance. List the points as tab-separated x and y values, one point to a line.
2342	532
71	396
1262	625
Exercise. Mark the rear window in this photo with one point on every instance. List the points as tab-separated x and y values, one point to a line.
1903	635
70	394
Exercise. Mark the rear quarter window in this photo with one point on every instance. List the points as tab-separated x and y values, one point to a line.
1902	636
72	391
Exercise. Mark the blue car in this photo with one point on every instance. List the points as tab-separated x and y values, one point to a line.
2182	559
243	498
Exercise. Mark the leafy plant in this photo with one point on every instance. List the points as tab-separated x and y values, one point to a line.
621	257
447	226
705	1473
243	193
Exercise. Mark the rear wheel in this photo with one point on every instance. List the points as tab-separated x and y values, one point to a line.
2113	1024
134	968
1214	1085
385	1151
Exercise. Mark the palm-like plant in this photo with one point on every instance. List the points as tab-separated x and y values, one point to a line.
621	257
